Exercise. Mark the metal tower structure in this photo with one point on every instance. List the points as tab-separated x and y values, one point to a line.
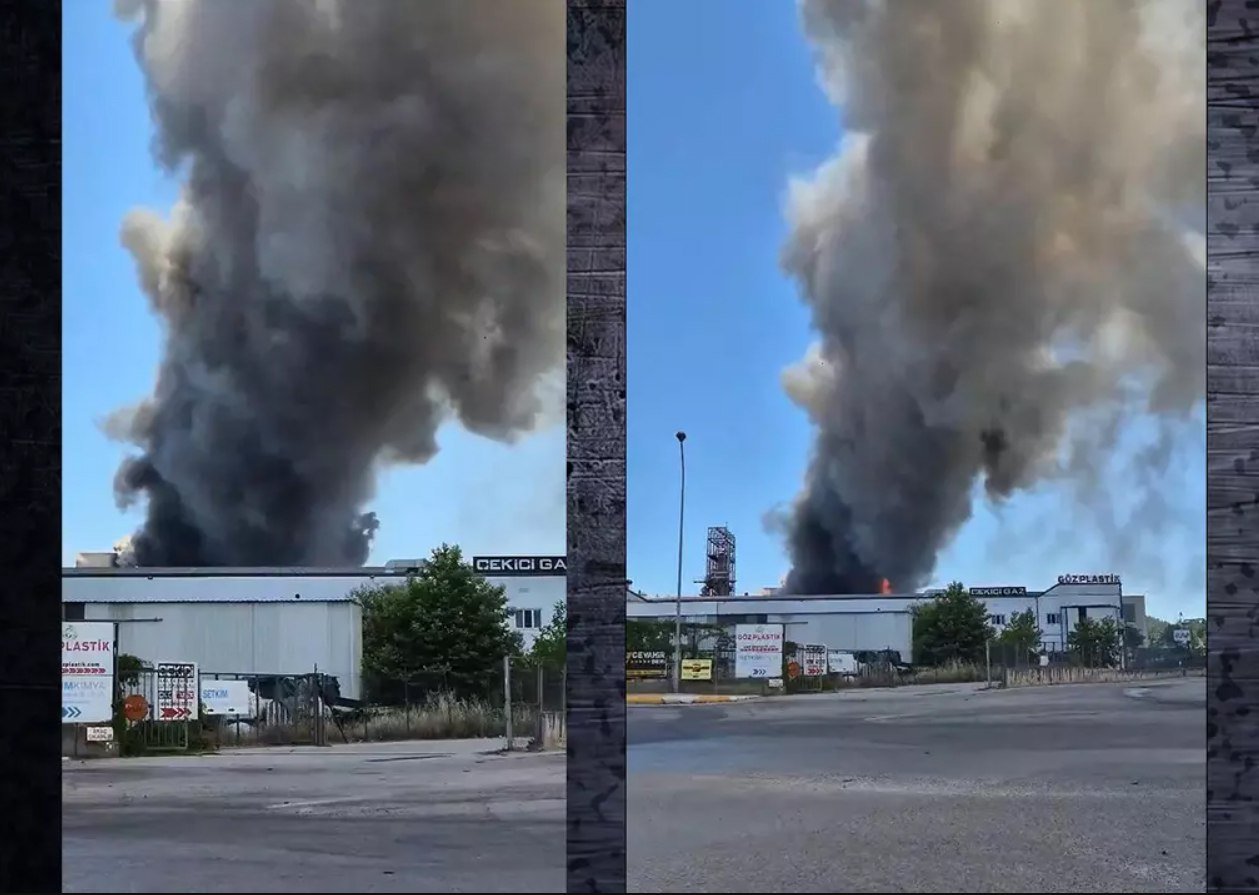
719	570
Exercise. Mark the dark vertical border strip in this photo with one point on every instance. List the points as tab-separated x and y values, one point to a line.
596	446
1232	446
30	445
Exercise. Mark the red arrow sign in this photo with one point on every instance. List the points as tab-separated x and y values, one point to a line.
172	713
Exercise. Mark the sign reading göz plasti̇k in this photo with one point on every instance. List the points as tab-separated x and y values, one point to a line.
758	651
1088	579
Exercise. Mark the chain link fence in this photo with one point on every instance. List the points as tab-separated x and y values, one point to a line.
536	703
708	664
161	709
516	699
507	700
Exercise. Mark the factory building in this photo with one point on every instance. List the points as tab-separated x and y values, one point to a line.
273	621
885	621
852	623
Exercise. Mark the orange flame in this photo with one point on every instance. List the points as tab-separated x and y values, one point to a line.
885	587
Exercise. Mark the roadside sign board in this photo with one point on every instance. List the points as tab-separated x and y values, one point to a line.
1181	635
758	651
814	655
87	672
178	693
100	734
697	669
135	707
840	661
228	698
644	665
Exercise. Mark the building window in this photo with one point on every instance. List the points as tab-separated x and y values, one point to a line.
997	619
1130	613
528	618
72	612
1053	618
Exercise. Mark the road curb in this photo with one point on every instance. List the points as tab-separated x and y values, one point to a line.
681	698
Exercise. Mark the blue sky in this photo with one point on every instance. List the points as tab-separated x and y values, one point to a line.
486	497
723	107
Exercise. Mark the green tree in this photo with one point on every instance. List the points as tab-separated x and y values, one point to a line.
1160	631
1132	637
648	635
444	625
1197	633
1096	642
550	649
1021	637
953	627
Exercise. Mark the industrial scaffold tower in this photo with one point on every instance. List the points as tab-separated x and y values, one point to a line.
719	571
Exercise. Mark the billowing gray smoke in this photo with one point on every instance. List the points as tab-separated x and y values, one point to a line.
1008	241
370	241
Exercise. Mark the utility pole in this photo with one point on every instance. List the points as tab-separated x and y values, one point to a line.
677	620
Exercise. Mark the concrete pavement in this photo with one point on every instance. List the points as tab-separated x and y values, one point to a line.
1095	787
389	817
682	698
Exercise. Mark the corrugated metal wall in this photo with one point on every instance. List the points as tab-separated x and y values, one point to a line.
852	630
244	638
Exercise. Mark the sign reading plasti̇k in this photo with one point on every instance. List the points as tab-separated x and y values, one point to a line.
87	672
758	651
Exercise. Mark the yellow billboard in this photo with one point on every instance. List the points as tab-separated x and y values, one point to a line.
697	669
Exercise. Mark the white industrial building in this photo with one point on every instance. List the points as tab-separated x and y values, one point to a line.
272	621
885	621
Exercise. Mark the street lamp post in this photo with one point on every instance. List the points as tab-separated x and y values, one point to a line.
677	619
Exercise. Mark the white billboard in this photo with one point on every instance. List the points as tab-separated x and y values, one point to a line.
758	651
178	692
87	672
228	698
840	661
814	659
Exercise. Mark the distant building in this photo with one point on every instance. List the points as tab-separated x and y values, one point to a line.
279	621
885	621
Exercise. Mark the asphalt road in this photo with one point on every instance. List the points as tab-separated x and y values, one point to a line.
1085	788
428	817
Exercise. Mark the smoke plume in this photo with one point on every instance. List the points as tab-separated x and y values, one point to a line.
369	242
1008	242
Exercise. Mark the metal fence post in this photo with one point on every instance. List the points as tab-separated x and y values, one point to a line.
988	663
507	700
541	701
317	707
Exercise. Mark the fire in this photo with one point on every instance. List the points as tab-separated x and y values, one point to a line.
885	587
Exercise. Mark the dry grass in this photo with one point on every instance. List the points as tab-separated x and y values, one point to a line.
441	717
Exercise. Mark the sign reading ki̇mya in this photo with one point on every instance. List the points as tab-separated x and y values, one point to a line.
1088	579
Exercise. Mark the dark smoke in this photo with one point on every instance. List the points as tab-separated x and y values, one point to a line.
370	241
998	249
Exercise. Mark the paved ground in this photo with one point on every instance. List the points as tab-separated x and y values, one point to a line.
412	817
1084	788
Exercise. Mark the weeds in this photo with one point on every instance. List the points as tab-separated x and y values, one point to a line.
439	717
